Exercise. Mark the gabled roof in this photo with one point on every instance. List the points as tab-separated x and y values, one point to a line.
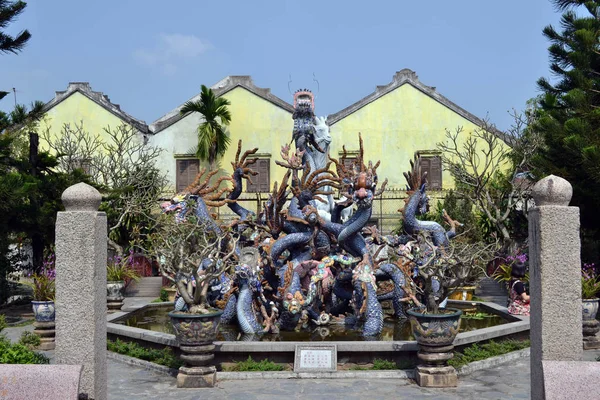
220	88
99	98
405	76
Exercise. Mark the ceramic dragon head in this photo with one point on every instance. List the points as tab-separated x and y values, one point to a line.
360	179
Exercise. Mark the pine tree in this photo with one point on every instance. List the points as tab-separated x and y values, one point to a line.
10	10
569	107
8	44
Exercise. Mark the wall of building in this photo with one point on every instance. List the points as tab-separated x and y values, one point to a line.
394	127
75	109
258	122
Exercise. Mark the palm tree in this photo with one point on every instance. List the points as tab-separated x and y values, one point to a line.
212	137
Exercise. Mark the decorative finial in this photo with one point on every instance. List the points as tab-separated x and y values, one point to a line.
552	191
81	197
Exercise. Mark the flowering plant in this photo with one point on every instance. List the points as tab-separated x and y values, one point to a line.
43	281
590	281
121	268
504	271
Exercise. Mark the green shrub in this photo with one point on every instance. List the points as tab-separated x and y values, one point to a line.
164	295
478	352
132	349
19	354
30	340
2	322
251	365
379	364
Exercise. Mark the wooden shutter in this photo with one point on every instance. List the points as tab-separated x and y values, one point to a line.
433	166
435	180
348	163
262	181
425	164
186	173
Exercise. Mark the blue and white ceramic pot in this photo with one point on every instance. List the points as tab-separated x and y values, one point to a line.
43	311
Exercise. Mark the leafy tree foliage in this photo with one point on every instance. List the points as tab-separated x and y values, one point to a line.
30	189
569	107
122	165
213	140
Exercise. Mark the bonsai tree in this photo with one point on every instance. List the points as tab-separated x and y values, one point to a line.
441	269
191	255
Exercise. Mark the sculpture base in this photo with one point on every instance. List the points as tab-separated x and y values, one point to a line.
196	377
437	376
114	305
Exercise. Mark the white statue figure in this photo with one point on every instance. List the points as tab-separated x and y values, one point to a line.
318	160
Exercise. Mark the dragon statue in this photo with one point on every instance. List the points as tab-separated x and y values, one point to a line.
299	264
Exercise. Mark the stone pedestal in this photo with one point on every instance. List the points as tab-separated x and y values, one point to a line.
81	255
590	334
433	369
197	371
46	332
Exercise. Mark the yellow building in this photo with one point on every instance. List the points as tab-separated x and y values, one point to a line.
397	121
79	103
258	117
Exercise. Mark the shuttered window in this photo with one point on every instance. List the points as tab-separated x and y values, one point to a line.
433	166
348	163
262	181
186	173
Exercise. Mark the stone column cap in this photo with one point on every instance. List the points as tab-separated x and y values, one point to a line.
552	191
81	197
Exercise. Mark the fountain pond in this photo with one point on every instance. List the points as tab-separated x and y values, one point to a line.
482	321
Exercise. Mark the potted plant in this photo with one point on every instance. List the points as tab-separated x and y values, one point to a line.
43	285
191	255
590	286
437	270
119	272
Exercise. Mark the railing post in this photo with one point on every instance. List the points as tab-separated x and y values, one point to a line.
555	278
81	251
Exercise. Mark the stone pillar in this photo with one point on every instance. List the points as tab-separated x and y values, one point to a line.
81	252
555	278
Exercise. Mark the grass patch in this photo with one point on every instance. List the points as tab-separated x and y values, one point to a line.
478	352
378	365
19	354
163	357
251	365
2	322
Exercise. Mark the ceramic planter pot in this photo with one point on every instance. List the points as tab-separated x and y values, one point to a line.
195	329
114	290
434	329
590	325
43	311
114	294
195	335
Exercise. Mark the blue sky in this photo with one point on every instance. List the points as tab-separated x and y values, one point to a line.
151	56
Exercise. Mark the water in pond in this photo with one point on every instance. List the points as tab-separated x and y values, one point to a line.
156	319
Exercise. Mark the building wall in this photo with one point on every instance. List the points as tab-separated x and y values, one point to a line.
394	127
256	121
75	109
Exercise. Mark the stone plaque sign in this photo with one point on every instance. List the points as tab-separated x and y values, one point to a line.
315	358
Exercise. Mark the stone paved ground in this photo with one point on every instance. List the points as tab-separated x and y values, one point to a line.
503	382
